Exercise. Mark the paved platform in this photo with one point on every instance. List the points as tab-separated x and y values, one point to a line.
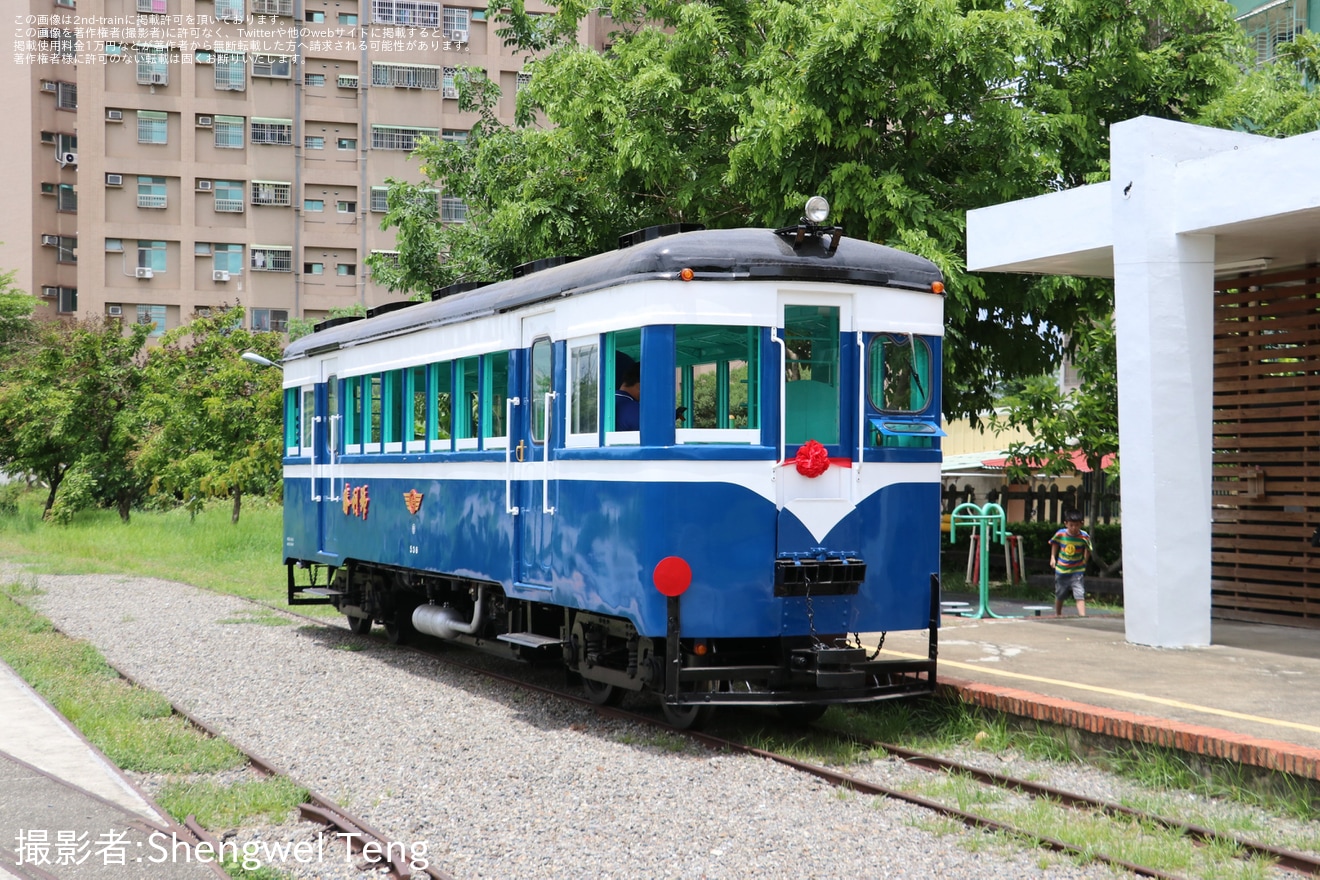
67	812
1248	697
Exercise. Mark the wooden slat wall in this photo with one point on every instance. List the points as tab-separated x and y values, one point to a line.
1267	448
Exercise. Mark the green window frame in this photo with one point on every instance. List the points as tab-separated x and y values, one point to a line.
440	417
898	373
811	374
717	383
494	395
373	412
467	397
291	428
353	414
625	342
417	419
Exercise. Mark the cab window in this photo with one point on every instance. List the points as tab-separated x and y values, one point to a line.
811	374
898	373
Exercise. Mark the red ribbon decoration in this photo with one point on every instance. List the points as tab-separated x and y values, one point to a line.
812	459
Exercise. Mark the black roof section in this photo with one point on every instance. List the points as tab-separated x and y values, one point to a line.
713	254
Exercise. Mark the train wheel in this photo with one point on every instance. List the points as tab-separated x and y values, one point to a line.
802	714
687	717
603	694
359	625
398	629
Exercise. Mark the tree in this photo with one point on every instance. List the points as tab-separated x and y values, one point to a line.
1082	420
1279	99
66	399
16	309
212	421
904	113
299	327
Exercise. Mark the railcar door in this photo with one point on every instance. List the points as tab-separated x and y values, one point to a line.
817	483
330	482
533	458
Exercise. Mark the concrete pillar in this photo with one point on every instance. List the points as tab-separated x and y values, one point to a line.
1164	317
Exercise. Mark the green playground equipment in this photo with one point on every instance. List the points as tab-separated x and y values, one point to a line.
993	526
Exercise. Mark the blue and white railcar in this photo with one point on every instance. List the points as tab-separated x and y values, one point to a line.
453	467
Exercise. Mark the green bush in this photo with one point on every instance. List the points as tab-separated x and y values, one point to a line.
1107	539
9	495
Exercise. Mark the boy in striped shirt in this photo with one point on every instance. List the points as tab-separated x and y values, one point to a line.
1070	550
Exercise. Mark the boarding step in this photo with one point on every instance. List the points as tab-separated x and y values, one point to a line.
321	591
531	640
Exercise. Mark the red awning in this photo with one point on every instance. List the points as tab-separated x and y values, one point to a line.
1078	462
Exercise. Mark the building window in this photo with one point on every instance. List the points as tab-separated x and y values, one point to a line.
313	206
229	10
346	268
114	245
398	137
153	126
229	196
270	320
450	89
155	7
230	71
272	7
66	300
313	268
151	255
229	132
456	23
405	76
418	13
380	199
228	258
454	135
272	66
272	192
66	199
154	316
151	192
314	80
348	18
314	142
65	247
346	207
272	259
314	16
153	67
66	96
278	132
453	210
346	143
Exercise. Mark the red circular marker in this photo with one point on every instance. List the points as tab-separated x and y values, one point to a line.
672	576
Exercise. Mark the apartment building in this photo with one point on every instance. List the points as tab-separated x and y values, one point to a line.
166	156
1270	23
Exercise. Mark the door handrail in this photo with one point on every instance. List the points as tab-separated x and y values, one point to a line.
509	507
545	473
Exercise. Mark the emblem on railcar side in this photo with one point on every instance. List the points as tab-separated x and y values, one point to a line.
356	500
413	499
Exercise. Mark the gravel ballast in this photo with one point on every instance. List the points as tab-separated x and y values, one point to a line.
494	781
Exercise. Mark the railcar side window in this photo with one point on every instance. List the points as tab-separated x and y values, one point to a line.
353	414
441	414
541	386
717	371
374	398
392	411
306	417
291	429
584	393
623	350
811	374
494	393
416	421
468	400
898	373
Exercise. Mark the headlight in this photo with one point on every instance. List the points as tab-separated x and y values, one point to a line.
818	210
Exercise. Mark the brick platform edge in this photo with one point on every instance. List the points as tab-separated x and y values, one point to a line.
1212	742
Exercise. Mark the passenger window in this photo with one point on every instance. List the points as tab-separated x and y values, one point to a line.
353	415
332	411
623	354
417	408
494	395
811	374
305	419
441	414
584	393
898	373
468	396
542	384
292	430
393	412
373	413
717	372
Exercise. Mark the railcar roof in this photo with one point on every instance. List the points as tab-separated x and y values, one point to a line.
714	254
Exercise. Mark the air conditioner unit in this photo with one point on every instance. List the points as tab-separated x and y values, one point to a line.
114	180
457	36
48	86
114	115
50	240
219	275
114	311
451	93
143	272
205	185
204	121
348	82
69	158
50	291
159	79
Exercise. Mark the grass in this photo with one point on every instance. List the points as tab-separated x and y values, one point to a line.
226	806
